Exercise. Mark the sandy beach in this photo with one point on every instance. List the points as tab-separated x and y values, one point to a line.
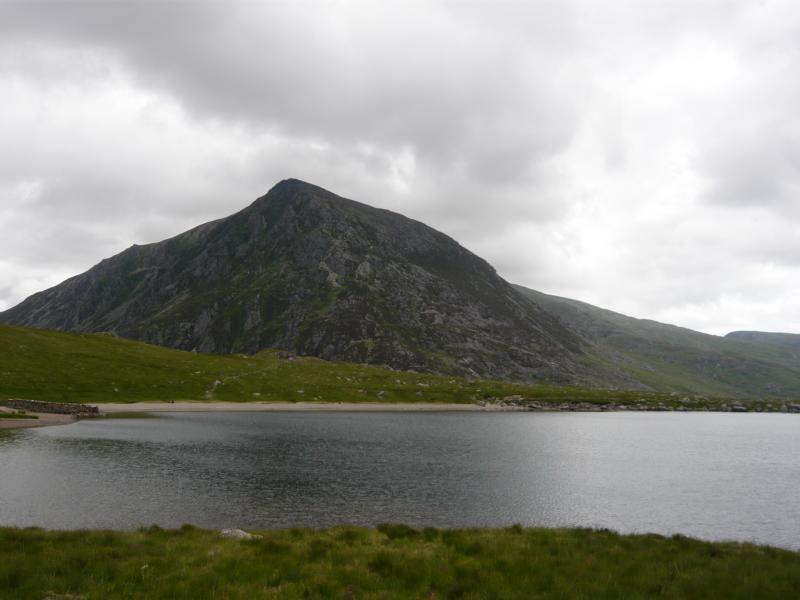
109	408
44	420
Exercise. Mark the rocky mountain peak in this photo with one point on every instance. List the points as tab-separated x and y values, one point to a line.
305	270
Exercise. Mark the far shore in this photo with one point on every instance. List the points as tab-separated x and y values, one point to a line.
184	406
111	409
44	420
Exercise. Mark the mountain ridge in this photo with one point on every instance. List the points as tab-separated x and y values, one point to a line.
790	340
667	357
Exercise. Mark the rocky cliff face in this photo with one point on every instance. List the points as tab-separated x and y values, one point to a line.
305	270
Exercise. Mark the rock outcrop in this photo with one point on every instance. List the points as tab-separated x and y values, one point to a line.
56	408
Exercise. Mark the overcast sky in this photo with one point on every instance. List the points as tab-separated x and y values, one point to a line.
640	155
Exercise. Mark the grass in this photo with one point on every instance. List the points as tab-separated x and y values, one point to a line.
666	357
392	561
16	415
129	415
71	367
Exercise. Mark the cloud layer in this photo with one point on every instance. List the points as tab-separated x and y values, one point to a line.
643	156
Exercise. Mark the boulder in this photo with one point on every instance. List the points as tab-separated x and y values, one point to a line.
238	534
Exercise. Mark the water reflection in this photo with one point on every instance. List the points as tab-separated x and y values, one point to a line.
717	476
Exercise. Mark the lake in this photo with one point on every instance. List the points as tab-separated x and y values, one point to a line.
713	476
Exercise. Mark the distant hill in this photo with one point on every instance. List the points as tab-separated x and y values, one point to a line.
305	270
666	357
790	340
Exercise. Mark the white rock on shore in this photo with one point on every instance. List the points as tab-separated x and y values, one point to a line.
238	534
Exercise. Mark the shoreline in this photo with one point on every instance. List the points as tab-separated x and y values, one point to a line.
115	408
44	420
507	406
110	409
186	406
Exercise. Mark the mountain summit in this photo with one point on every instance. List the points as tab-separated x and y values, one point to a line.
305	270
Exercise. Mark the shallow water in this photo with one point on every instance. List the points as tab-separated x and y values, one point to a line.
713	476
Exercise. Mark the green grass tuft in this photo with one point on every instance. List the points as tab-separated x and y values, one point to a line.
388	562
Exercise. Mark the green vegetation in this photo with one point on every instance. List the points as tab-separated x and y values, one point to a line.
129	415
54	366
670	358
394	561
16	415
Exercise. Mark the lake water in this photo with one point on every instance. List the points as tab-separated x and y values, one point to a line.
713	476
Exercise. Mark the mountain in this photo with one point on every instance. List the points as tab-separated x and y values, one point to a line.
665	357
304	270
790	340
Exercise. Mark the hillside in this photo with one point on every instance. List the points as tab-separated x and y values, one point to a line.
304	270
665	357
37	364
76	367
789	340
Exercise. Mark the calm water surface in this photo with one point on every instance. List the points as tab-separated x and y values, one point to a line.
714	476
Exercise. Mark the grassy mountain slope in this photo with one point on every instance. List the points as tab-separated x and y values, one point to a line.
74	367
55	366
664	357
790	340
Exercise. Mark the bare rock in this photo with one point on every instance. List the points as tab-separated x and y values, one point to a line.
238	534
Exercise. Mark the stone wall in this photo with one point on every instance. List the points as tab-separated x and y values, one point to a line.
52	407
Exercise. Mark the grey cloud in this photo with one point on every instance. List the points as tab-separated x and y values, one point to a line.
750	147
6	294
440	85
757	170
498	123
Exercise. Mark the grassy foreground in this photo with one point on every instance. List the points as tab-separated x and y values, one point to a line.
38	364
393	561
